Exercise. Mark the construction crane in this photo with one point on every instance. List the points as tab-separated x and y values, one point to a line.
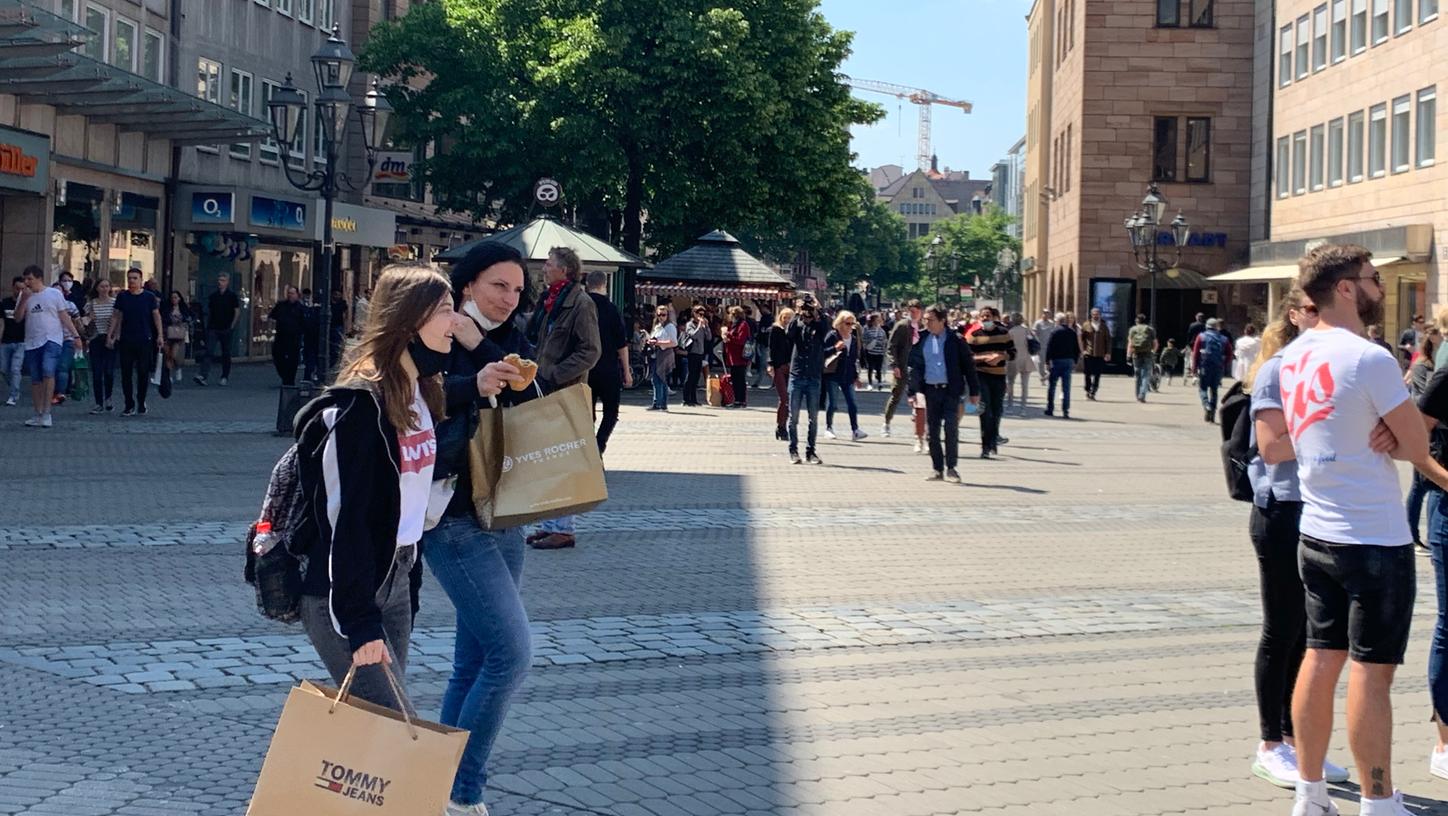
919	97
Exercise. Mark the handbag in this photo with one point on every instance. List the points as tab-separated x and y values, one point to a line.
832	362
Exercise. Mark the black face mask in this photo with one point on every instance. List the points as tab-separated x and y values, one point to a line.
428	362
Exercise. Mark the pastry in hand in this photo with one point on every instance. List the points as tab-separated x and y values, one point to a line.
527	368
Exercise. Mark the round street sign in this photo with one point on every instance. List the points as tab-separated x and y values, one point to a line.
548	192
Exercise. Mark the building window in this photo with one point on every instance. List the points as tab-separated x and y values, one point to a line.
304	10
1199	149
1315	158
1404	15
1319	37
1304	37
1164	149
1299	162
268	146
1377	140
153	56
326	14
1427	10
1284	61
97	19
1334	153
1168	13
1339	30
208	80
1359	25
1201	11
1284	158
917	192
124	51
70	9
1355	147
240	101
1401	133
1427	120
285	7
1380	21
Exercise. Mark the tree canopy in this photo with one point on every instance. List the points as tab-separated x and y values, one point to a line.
663	119
970	252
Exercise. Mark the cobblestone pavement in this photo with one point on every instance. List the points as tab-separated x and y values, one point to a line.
1070	632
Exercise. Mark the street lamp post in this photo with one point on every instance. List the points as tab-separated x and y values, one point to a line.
332	66
1141	228
933	255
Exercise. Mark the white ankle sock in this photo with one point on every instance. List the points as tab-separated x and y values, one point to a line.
1312	791
1380	807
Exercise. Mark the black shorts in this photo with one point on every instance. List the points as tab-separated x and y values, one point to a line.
1359	598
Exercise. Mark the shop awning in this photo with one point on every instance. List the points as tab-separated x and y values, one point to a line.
39	64
707	291
1178	277
535	238
1257	274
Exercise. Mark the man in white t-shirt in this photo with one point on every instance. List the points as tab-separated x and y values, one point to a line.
47	324
1355	555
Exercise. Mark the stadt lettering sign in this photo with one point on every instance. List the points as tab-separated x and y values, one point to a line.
24	161
1197	239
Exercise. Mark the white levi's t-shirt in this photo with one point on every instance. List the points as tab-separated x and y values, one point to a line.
418	455
1335	387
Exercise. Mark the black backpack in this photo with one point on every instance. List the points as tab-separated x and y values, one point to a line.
1237	448
277	574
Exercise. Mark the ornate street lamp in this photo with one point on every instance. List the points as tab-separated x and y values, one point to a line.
332	66
1142	230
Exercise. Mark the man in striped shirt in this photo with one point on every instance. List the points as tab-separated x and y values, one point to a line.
990	342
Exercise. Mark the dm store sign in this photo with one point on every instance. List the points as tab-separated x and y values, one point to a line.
277	214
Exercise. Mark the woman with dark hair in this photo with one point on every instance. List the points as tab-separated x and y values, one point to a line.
736	335
98	311
695	341
480	570
368	450
176	326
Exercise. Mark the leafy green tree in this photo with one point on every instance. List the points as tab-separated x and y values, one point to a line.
663	119
875	246
970	251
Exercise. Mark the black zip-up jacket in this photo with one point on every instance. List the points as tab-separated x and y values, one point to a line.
1063	345
349	455
807	340
780	348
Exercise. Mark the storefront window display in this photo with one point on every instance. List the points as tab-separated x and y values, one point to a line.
76	237
133	242
259	272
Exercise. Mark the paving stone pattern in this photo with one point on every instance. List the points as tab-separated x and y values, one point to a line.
1071	632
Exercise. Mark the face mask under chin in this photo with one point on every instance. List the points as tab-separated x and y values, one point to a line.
470	308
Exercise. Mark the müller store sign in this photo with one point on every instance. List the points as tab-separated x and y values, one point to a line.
24	161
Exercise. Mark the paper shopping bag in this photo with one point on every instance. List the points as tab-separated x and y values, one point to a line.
715	392
349	758
537	461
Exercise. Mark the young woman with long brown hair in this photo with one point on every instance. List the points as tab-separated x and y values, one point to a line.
368	449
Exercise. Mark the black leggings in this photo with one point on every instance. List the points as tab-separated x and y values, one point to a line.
739	378
691	382
135	371
1284	616
874	364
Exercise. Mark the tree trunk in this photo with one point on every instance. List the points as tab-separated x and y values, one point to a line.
633	228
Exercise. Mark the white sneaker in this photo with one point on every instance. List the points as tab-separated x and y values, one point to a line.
10	401
1438	764
1333	773
1313	803
46	421
223	381
455	809
830	433
1278	766
885	430
33	422
919	446
859	434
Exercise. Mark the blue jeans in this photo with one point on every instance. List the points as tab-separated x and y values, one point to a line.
12	363
835	386
481	571
1438	651
661	390
1143	363
1419	491
1060	371
803	391
1208	381
62	372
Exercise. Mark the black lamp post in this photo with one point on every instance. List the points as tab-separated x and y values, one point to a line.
1141	228
332	66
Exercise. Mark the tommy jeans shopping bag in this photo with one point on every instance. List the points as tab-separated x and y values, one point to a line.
537	460
337	756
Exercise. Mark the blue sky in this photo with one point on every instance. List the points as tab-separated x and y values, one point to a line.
973	50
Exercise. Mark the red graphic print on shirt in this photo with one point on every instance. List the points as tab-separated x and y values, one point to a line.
1307	393
419	450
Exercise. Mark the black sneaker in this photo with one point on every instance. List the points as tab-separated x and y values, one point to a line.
129	412
935	476
199	380
985	454
1048	412
110	407
952	477
141	410
809	456
1000	440
794	458
1209	416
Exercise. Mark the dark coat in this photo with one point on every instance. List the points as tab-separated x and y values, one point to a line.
1063	345
848	370
566	337
959	367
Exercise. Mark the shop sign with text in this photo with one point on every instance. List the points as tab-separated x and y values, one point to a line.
24	161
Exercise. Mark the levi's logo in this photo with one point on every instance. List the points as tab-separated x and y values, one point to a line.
1307	390
419	450
352	784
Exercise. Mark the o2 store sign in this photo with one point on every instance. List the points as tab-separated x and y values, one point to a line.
213	208
278	214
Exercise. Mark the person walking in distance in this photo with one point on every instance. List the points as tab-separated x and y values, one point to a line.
776	337
1211	356
1198	325
98	312
1044	326
942	368
1095	351
1141	344
903	336
1420	373
875	344
136	334
47	323
176	325
695	342
564	329
1061	350
223	310
12	342
662	345
1022	366
738	350
991	345
289	317
1273	529
611	374
1356	556
806	335
844	341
